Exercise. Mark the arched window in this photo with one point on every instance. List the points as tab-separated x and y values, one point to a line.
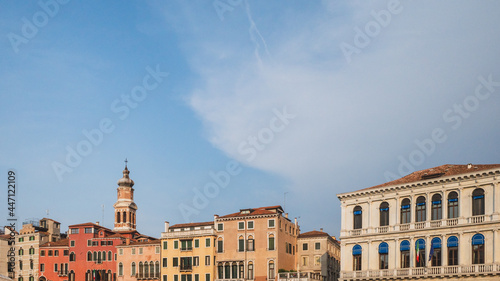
132	272
384	214
250	270
72	257
242	271
478	202
220	245
21	251
271	270
383	253
110	256
420	209
435	252
358	221
250	243
436	207
234	270
271	242
478	249
141	270
227	271
151	269
118	217
241	244
452	205
146	270
124	217
356	257
120	269
405	253
420	253
89	256
32	251
157	269
95	256
405	211
452	246
103	254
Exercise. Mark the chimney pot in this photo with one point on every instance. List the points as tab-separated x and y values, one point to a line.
167	226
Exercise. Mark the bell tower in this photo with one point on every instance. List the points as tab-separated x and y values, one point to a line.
125	208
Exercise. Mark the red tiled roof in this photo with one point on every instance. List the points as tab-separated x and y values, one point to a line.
89	224
193	224
255	212
313	233
62	242
50	220
437	172
5	236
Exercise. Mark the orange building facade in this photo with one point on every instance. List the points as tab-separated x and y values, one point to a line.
139	261
54	261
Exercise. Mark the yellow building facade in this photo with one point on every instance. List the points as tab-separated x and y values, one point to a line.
188	252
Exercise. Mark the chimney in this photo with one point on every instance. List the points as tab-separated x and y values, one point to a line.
215	218
286	215
321	229
295	222
469	166
97	222
167	225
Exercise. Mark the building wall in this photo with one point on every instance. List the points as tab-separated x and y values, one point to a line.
324	261
27	239
48	261
137	253
464	227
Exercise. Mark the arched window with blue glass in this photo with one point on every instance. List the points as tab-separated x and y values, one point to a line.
405	211
404	247
452	245
436	207
420	209
478	202
435	251
478	249
356	257
384	214
452	205
358	220
383	253
420	253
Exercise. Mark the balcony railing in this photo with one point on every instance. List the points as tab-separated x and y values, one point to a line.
419	225
188	233
479	269
299	276
155	275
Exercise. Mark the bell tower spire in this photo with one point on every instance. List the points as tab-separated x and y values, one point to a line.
125	208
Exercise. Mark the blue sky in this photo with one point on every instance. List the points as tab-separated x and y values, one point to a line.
303	98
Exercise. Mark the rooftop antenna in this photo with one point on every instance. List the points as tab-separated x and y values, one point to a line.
47	211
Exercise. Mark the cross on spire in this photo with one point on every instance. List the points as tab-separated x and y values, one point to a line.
126	161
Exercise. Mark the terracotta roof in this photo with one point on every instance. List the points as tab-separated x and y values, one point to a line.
5	236
193	224
154	242
62	242
89	224
437	172
50	220
255	212
313	233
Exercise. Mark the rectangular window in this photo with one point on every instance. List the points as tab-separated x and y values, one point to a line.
164	262
356	263
241	225
251	245
271	243
42	253
55	267
120	252
220	246
241	245
42	267
220	227
141	250
104	243
110	243
207	242
66	253
452	255
207	260
250	225
383	261
176	277
165	245
186	245
164	278
304	247
271	223
305	261
405	259
89	243
56	253
50	253
74	231
133	251
32	238
176	244
196	243
196	261
317	246
88	230
21	239
157	249
196	277
317	260
95	243
207	277
175	262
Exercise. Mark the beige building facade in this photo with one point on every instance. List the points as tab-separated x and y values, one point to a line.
255	243
434	224
138	261
319	253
